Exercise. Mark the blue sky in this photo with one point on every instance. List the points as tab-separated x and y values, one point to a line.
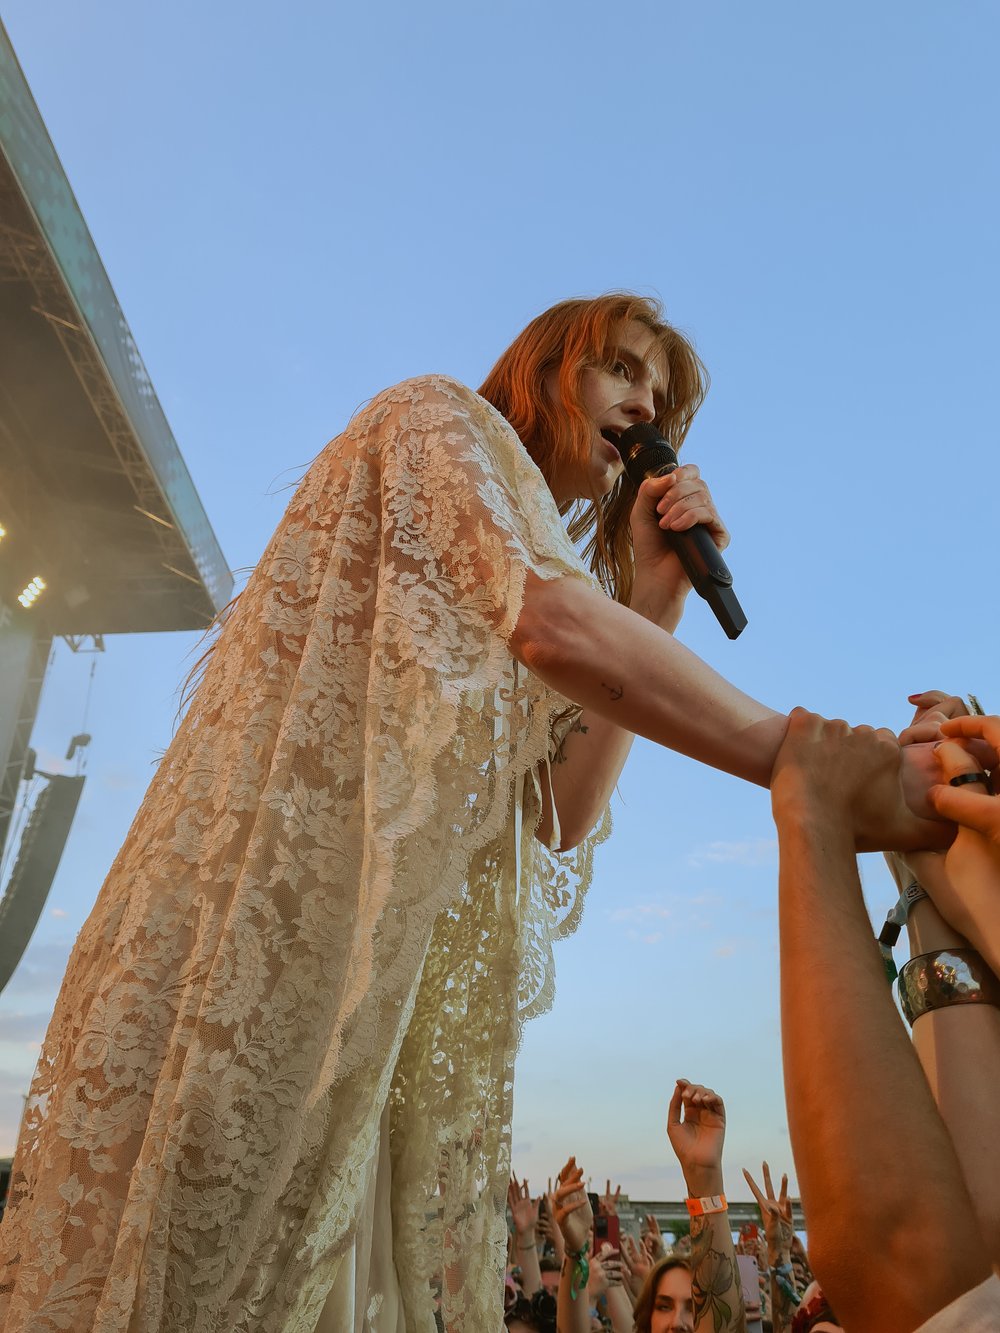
299	206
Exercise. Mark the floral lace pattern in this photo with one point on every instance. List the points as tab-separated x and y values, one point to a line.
331	901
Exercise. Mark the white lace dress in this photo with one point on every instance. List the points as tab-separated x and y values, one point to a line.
276	1090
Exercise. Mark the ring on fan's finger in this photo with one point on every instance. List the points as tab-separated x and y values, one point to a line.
960	779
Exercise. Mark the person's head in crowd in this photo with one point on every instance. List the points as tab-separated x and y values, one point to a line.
532	1314
800	1265
550	1270
511	1290
664	1304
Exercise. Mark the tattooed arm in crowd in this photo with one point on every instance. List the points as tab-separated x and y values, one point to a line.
696	1127
779	1233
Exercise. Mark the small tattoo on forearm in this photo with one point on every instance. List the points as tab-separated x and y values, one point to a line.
615	692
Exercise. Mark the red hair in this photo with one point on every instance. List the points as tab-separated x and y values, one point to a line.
573	336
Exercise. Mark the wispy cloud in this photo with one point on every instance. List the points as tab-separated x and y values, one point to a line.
638	937
29	1028
57	911
753	852
641	913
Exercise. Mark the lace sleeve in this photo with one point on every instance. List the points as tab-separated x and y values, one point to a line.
318	900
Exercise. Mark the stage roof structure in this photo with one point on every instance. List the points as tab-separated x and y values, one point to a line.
95	498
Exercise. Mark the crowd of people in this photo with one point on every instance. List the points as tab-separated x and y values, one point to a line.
895	1140
570	1270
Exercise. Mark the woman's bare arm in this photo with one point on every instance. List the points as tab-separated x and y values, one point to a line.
588	762
636	676
959	1049
862	1120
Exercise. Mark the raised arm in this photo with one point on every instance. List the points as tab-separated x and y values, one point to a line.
779	1232
862	1119
524	1214
959	1044
696	1127
575	1220
959	1049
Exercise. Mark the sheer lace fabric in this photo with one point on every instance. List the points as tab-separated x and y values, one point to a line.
294	1009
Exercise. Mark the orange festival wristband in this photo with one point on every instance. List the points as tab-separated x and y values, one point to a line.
713	1203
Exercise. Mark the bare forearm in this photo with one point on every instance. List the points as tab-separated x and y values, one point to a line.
620	1310
782	1296
959	1050
639	678
783	1302
572	1314
846	1077
527	1260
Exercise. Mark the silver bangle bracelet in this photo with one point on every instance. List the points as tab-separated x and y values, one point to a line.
945	977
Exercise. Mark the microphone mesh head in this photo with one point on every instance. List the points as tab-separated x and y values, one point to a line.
645	452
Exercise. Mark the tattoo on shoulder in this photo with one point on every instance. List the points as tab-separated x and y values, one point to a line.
615	692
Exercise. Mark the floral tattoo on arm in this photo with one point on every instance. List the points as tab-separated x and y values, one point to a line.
715	1282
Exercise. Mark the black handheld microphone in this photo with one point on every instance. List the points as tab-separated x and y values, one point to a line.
646	453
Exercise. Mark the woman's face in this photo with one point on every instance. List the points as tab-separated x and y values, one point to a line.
615	397
673	1311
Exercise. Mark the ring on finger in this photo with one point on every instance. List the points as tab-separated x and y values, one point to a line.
960	779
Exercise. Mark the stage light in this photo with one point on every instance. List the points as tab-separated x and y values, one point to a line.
29	595
3	532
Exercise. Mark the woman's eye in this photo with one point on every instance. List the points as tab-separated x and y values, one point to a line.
622	368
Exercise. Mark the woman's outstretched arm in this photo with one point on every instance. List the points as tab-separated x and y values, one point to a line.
636	676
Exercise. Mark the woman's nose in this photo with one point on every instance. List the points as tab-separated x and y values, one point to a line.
639	404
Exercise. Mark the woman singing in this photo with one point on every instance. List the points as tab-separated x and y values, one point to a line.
275	1094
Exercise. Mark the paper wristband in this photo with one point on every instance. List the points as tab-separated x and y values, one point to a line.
714	1203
